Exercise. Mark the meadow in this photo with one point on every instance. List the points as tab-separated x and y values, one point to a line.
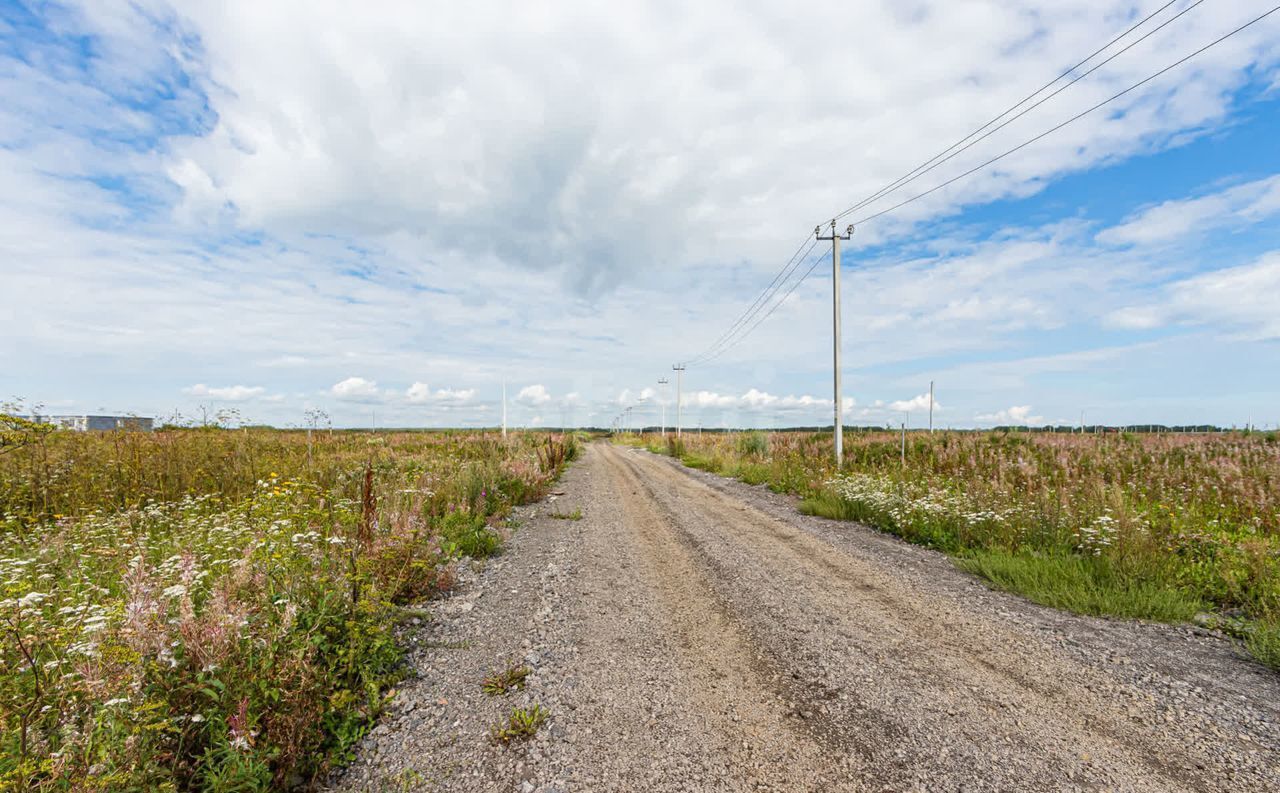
1170	527
216	609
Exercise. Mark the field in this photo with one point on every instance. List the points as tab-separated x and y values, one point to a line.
1173	527
215	609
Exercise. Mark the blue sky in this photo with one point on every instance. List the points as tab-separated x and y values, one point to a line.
386	214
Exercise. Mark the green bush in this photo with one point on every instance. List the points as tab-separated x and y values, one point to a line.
468	535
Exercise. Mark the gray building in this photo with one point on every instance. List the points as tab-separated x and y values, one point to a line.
86	423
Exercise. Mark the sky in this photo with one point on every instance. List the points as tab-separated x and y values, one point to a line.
385	211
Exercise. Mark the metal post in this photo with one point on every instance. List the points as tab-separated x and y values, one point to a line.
930	407
662	381
679	370
838	411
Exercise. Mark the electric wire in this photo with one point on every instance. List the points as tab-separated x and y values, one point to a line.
726	339
1073	119
953	151
815	262
707	358
756	306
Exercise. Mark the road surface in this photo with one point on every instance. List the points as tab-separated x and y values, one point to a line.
694	633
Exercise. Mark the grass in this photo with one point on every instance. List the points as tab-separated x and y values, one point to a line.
506	681
215	610
523	723
1157	526
575	515
1263	641
1084	585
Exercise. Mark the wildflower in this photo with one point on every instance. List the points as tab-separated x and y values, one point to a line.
197	717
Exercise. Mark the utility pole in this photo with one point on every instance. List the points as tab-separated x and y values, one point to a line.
504	409
904	444
838	430
679	370
662	381
930	407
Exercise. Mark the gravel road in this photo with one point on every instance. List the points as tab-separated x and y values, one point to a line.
694	633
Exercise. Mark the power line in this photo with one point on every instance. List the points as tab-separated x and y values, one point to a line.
707	357
1074	118
727	340
939	158
787	270
812	266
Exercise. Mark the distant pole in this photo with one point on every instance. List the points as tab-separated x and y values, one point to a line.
679	370
837	430
904	444
504	408
930	407
662	381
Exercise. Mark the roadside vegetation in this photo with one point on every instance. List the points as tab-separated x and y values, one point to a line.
215	609
1172	527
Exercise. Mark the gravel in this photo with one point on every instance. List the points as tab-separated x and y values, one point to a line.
695	633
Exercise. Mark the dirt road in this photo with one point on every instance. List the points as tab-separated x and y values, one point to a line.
694	633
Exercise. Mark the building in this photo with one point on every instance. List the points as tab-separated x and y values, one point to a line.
86	423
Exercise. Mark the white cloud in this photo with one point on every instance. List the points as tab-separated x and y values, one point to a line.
460	396
340	172
1136	318
1245	298
331	117
534	395
1018	414
758	399
710	399
356	389
1240	301
234	393
915	403
1241	205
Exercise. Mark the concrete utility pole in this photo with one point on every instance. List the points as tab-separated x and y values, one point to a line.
930	407
835	238
662	381
504	409
679	370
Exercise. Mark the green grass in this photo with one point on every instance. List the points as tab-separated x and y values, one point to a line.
1082	584
1264	642
575	515
522	723
509	679
468	535
201	609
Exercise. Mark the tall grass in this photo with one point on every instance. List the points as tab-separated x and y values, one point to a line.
1150	526
214	610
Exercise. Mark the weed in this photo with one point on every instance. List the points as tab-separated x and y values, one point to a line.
205	609
753	444
1146	525
1083	584
463	644
575	515
466	534
1264	642
522	723
509	679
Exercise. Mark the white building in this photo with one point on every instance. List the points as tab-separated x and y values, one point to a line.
86	423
